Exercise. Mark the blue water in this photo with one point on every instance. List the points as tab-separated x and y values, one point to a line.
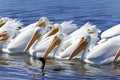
103	13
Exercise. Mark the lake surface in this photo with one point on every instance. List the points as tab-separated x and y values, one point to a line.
103	13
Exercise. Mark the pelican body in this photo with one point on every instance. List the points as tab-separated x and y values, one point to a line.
8	30
86	36
18	44
68	44
40	46
107	47
104	53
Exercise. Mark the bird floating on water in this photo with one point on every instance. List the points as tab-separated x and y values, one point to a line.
105	51
8	30
64	42
36	30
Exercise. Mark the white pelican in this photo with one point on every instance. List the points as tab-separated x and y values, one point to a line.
3	21
55	43
66	46
39	48
105	51
35	31
9	30
86	28
81	44
114	31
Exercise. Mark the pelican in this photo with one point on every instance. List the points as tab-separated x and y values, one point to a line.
67	45
87	28
39	48
81	44
10	29
56	42
35	31
3	21
105	51
114	31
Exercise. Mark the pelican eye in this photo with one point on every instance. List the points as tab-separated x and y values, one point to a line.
1	20
2	23
88	30
50	27
82	38
5	32
19	27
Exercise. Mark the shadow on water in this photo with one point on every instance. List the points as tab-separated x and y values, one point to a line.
19	66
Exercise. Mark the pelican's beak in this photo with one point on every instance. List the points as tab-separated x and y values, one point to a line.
53	31
35	36
81	45
41	23
3	36
1	23
117	55
56	41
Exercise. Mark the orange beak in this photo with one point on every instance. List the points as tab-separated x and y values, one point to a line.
3	36
117	55
53	31
41	24
1	23
56	41
81	45
35	36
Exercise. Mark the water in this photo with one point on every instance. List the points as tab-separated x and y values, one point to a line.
103	13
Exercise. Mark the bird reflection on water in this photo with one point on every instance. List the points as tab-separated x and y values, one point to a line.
23	67
54	68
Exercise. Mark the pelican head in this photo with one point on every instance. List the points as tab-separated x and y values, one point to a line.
91	37
43	22
10	24
3	21
56	40
92	30
82	45
10	28
54	29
